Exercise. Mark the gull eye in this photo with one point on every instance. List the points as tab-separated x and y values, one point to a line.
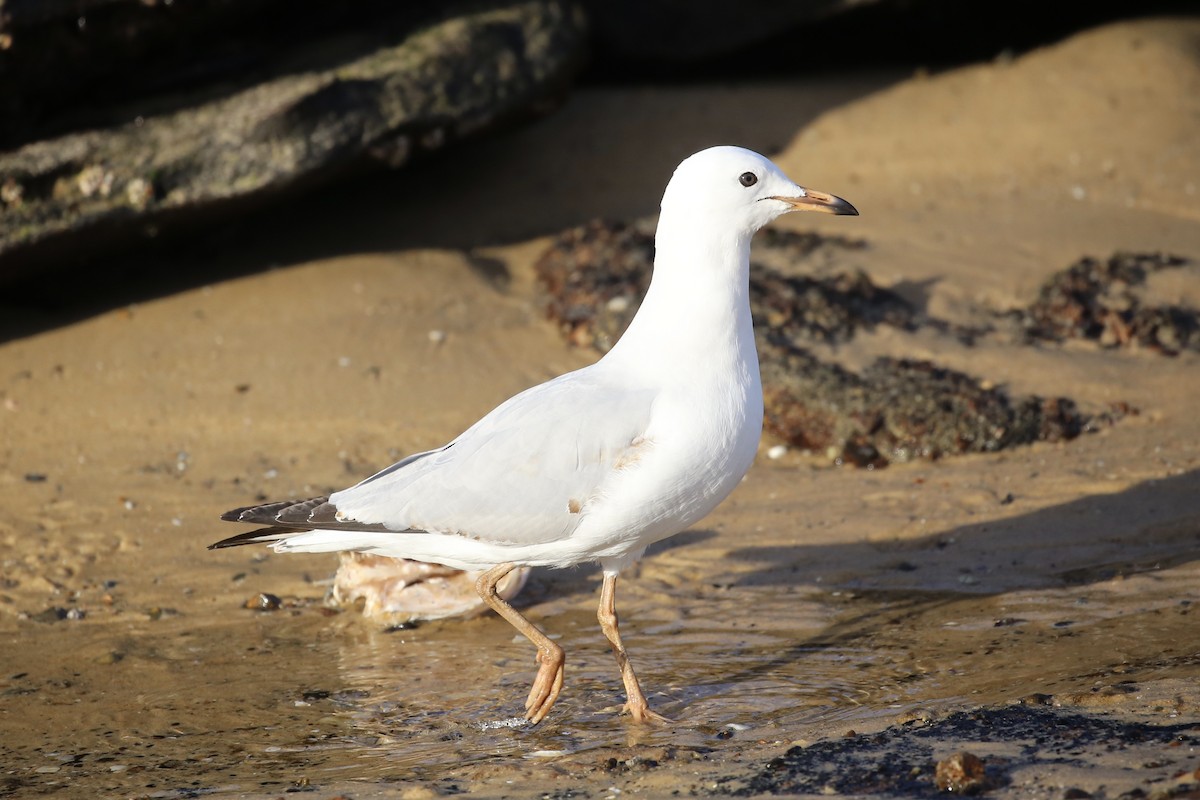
748	179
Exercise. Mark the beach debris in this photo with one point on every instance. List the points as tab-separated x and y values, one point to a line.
1099	300
398	592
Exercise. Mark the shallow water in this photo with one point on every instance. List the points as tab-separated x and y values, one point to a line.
245	701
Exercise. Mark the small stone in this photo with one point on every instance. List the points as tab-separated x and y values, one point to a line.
619	304
418	793
139	192
52	614
263	601
962	773
11	193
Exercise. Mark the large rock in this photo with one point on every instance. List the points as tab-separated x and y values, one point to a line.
447	80
686	30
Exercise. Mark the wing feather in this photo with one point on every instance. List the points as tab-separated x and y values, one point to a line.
523	474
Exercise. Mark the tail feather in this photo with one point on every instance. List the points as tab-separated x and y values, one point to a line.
257	536
287	518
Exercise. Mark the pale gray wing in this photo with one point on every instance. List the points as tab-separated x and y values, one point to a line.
523	474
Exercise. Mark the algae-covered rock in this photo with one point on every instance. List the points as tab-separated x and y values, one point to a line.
894	410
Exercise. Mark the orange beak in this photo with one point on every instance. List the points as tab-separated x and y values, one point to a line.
819	201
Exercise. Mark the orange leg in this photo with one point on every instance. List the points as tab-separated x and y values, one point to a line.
635	703
550	657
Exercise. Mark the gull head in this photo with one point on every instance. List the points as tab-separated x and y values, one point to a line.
735	186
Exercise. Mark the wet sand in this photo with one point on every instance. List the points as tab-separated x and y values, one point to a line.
815	601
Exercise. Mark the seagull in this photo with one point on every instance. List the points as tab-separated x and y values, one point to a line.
597	464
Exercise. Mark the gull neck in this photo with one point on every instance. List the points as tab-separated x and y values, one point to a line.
697	309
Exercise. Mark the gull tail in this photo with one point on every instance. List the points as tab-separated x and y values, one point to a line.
260	535
288	518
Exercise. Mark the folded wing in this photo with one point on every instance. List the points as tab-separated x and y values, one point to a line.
526	473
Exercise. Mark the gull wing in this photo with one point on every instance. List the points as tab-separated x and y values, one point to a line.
523	474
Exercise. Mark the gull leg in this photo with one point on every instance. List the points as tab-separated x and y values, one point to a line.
635	704
550	658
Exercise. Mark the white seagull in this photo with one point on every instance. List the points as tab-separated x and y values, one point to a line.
597	464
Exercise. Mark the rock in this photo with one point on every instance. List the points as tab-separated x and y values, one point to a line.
72	65
666	30
213	155
961	773
264	601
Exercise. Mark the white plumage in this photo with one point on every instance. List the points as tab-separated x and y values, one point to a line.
597	464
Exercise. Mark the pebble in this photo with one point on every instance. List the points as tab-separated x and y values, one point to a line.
962	773
263	601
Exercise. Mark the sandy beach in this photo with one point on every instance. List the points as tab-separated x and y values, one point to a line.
382	317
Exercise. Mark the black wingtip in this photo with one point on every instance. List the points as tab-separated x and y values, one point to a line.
256	536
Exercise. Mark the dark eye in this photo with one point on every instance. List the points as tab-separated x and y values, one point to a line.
748	179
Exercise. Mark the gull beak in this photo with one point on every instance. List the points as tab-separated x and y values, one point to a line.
818	201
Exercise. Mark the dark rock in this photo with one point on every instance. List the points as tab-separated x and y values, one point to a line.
92	63
663	30
216	153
